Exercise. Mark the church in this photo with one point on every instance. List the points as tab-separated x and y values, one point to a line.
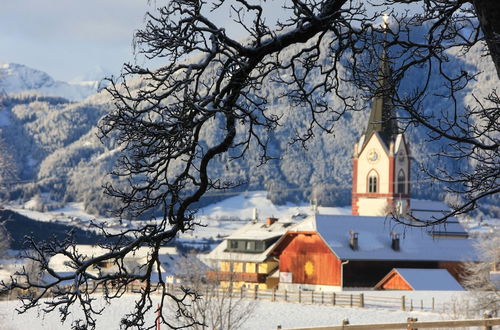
381	158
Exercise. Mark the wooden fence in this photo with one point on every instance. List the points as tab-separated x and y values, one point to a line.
411	324
346	299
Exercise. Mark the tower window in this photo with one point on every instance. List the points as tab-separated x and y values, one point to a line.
373	182
401	182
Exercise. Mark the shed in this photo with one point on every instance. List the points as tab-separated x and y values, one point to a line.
419	279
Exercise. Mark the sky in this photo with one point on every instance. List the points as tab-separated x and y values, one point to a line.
76	40
69	39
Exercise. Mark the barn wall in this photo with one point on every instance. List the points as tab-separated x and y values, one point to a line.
310	261
395	282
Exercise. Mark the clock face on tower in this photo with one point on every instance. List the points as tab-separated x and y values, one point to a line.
372	156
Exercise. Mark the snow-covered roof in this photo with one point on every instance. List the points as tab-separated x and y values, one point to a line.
374	240
133	261
427	279
251	231
261	231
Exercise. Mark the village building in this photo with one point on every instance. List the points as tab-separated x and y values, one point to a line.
133	263
243	258
333	252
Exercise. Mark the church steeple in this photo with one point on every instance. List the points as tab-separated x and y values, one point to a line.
382	118
381	159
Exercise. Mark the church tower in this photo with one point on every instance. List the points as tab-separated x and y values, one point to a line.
381	158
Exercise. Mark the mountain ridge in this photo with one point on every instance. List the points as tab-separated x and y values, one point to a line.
60	158
18	78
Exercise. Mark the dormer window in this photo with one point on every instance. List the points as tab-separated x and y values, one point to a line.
248	246
373	182
233	245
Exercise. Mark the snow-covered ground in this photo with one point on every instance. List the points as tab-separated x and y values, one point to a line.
220	219
267	315
217	220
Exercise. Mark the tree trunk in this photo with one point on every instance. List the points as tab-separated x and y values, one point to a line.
488	13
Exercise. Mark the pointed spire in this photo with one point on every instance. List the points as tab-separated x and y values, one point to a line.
382	119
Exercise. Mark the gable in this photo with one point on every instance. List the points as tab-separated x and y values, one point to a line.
373	141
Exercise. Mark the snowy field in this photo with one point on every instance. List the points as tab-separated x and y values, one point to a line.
267	315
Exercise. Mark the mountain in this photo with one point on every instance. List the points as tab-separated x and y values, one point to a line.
59	158
17	78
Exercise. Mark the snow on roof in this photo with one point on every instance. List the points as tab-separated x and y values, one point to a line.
133	261
374	240
251	231
429	279
261	231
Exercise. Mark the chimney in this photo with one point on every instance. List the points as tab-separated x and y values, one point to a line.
255	216
395	241
270	221
353	240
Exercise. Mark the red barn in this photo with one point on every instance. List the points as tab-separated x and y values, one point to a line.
329	252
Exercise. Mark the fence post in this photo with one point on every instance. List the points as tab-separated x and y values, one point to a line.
300	295
256	292
411	305
403	303
312	297
361	300
421	305
411	323
274	294
333	299
322	298
285	295
241	292
487	315
350	300
433	304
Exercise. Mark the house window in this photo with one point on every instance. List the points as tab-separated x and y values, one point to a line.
401	182
373	182
233	245
250	245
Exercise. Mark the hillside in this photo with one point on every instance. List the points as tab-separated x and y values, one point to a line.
60	159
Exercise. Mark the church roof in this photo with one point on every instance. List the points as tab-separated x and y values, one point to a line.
382	118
